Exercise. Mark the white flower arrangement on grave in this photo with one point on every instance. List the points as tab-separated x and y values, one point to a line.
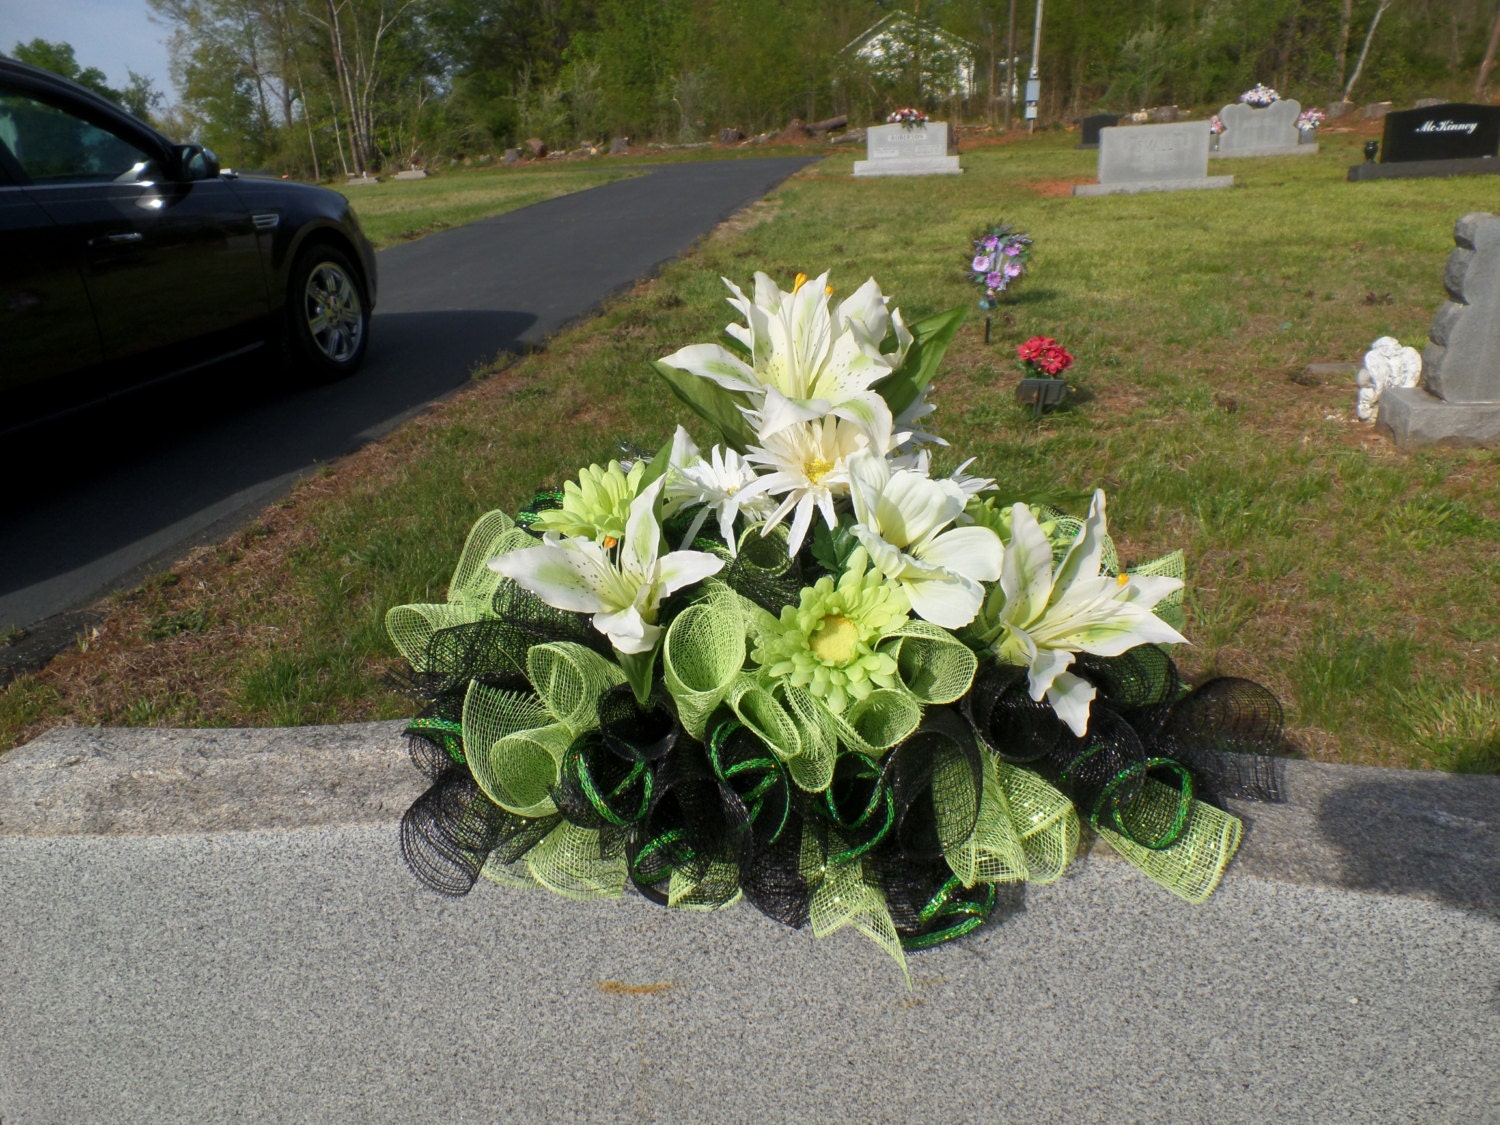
805	670
1309	120
1259	96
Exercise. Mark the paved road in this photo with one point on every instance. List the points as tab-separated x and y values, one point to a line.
112	497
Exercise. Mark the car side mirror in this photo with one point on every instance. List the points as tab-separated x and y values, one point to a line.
194	162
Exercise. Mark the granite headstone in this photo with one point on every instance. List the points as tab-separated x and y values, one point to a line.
1460	404
900	150
1089	128
1266	131
1142	158
1449	131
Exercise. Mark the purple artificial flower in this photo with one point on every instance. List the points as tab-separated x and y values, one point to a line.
981	264
990	241
1012	249
1012	269
995	281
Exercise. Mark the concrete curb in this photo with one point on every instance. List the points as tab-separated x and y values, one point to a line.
1418	834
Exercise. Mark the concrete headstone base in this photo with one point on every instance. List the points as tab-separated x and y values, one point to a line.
1416	169
1139	187
921	166
1270	150
1415	419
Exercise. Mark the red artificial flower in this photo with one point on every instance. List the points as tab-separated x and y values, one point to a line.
1043	353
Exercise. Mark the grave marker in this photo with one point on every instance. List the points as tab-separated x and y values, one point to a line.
1142	158
1449	139
900	150
1089	128
1460	404
1268	131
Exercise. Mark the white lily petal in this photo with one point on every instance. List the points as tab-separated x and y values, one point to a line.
683	568
627	630
1026	571
1070	697
566	575
950	601
974	552
711	361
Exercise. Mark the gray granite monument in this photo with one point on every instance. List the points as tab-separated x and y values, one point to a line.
1142	158
1460	404
1268	131
900	150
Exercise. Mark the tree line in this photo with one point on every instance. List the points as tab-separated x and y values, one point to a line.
325	87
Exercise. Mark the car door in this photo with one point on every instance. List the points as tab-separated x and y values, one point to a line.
46	323
166	262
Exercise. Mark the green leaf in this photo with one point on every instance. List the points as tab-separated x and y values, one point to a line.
656	467
832	548
718	407
931	337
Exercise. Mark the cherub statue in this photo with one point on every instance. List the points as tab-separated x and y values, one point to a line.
1387	364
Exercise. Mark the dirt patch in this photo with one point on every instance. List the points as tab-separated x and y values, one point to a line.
1048	189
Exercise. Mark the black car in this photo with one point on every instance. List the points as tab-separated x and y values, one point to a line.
126	259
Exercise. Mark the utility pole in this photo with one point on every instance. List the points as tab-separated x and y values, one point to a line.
1010	68
1034	79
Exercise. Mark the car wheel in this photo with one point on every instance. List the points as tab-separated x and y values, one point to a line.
328	316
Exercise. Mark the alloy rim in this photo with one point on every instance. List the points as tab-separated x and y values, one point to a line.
335	317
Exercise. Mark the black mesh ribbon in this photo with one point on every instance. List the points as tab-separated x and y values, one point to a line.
452	830
696	827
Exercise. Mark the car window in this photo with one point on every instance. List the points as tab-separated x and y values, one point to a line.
53	146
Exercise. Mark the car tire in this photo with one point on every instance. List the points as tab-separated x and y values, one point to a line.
327	315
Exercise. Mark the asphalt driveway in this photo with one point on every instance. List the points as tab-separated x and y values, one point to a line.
103	501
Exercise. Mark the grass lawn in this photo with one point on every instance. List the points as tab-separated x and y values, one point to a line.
1356	581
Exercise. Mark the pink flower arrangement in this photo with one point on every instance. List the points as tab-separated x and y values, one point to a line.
1042	355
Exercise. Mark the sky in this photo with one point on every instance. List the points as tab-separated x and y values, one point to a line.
113	35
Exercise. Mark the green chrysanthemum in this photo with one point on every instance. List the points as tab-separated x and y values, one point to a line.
597	505
826	644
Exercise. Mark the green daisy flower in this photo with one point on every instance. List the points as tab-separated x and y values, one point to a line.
826	644
597	505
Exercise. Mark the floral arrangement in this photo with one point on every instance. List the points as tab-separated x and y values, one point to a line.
1259	96
806	670
1045	357
1000	257
1216	125
908	117
1309	119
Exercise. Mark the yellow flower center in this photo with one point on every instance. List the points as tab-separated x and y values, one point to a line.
835	641
799	281
817	469
1123	580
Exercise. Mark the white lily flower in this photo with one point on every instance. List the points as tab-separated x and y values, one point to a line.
920	461
1048	618
623	592
714	485
900	518
809	463
822	360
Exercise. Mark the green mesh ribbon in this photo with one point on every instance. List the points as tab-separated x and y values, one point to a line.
572	862
514	747
1191	867
702	654
880	720
1172	565
993	853
569	679
844	898
470	592
934	665
798	730
1045	821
